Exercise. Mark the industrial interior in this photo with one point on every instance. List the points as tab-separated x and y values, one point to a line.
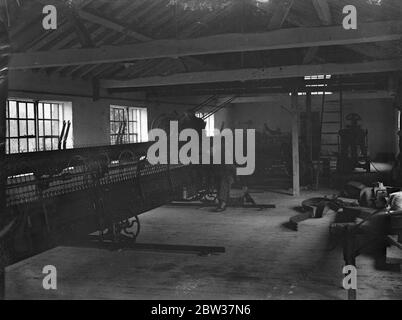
318	82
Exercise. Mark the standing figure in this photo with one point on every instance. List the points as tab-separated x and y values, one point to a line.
225	176
353	145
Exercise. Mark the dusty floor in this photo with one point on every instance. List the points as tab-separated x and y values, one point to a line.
263	260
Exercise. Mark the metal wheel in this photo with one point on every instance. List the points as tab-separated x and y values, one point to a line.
131	227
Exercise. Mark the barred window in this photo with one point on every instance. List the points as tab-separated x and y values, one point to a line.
32	125
128	125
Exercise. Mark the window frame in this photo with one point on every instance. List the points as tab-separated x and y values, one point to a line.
32	125
132	116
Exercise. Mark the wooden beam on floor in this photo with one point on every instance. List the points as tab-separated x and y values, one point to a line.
295	144
281	72
224	43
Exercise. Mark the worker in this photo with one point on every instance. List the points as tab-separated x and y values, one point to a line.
225	176
353	145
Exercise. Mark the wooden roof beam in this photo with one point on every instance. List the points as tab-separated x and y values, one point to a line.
281	11
112	25
238	42
323	11
282	72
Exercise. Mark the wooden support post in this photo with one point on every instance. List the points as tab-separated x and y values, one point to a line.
3	176
295	144
313	171
309	128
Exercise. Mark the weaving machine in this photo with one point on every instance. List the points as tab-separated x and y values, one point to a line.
57	196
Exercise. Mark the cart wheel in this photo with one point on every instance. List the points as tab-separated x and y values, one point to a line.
209	197
132	228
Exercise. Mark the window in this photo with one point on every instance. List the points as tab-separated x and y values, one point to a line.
210	123
32	126
316	85
128	125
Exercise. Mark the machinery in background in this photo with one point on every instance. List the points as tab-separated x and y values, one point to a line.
353	146
274	164
272	151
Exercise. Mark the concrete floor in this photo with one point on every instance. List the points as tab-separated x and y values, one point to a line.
263	260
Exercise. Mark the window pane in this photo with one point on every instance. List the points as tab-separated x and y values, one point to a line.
40	110
23	128
13	109
47	110
135	130
41	132
55	111
31	111
22	108
31	127
48	129
114	126
13	128
31	145
41	146
55	143
23	145
13	145
48	144
55	128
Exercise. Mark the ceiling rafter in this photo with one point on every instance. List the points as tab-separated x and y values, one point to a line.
113	26
323	11
281	11
226	43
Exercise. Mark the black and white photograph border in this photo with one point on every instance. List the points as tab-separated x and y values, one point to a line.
193	150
